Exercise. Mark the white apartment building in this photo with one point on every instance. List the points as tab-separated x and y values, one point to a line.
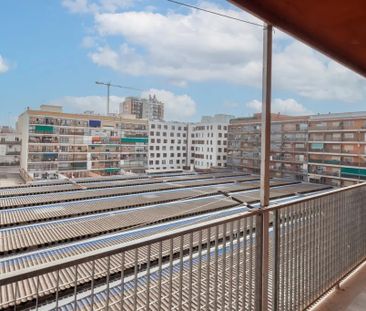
9	147
208	142
168	145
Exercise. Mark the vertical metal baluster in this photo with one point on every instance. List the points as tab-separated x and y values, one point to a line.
37	292
160	270
199	275
216	266
190	271
75	286
315	220
208	262
223	272
135	284
297	242
15	295
287	260
303	255
231	266
244	273
238	233
276	263
251	260
122	280
148	259
180	271
57	288
92	286
171	274
107	281
282	257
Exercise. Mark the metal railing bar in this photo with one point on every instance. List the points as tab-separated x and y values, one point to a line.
12	277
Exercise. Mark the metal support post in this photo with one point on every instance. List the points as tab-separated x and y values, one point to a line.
262	223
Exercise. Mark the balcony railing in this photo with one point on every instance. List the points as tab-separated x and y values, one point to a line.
239	262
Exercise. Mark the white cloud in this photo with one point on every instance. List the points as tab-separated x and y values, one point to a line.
93	7
200	47
4	67
98	104
284	106
177	107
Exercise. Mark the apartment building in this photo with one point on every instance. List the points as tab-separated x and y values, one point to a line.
288	145
55	143
10	144
168	145
143	108
208	141
337	148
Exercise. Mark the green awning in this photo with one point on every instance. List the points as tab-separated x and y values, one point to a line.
135	140
44	129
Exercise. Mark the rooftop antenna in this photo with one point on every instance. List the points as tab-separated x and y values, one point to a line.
109	85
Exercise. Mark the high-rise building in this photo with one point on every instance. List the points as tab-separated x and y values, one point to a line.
143	108
337	148
9	147
208	142
288	145
55	143
168	145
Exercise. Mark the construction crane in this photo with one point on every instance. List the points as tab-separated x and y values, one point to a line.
109	85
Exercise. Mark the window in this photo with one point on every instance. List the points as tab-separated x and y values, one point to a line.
152	140
157	133
172	155
151	133
157	162
152	126
164	156
164	134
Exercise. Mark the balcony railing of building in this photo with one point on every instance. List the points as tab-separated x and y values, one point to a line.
314	243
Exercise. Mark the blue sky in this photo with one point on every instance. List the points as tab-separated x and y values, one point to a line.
54	51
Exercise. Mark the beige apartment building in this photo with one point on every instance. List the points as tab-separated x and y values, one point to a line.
337	148
57	144
288	145
324	148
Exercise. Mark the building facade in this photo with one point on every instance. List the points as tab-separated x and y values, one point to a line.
289	145
143	108
56	144
168	146
337	148
10	146
208	141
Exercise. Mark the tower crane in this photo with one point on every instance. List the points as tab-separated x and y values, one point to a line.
109	85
